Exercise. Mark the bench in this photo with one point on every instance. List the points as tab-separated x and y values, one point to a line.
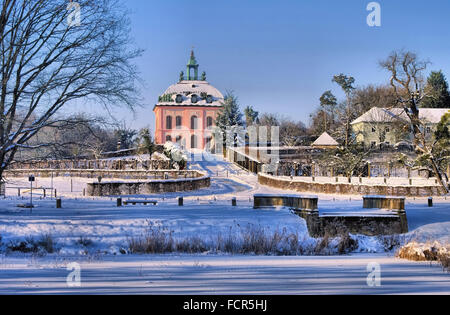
142	202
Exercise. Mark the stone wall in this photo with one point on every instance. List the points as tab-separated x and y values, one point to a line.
111	164
147	187
291	201
384	202
370	225
350	189
119	174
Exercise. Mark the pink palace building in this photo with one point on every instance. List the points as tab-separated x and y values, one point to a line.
186	112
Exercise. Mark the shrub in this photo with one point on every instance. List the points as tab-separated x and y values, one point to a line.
157	240
445	261
426	252
347	244
85	242
390	242
45	244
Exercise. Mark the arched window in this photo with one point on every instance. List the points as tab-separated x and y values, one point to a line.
194	122
209	122
178	140
168	139
208	144
169	122
193	142
179	122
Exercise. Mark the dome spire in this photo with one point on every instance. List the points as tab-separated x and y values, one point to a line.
192	65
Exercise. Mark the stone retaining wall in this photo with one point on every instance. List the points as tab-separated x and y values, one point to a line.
370	225
384	202
119	174
291	201
147	187
350	189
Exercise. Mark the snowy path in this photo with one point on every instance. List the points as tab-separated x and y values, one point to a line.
223	275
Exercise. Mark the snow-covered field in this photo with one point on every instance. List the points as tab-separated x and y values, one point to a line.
207	214
173	274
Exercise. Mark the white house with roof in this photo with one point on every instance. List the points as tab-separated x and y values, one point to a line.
391	126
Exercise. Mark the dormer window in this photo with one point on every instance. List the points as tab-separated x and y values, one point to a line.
194	99
209	99
179	99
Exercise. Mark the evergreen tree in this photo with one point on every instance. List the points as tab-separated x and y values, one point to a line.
437	91
145	142
229	117
125	136
346	83
250	115
328	103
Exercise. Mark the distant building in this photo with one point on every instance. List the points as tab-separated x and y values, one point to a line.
187	110
325	141
391	127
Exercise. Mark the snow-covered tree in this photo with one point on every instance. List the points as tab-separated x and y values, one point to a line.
176	154
407	82
229	119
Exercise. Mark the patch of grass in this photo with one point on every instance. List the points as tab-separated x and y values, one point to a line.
445	261
157	240
84	242
191	245
45	244
244	240
390	242
346	244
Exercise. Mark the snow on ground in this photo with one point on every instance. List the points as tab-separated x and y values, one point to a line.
110	227
230	275
206	214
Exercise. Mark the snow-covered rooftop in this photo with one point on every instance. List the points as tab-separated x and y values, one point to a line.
325	140
188	88
380	115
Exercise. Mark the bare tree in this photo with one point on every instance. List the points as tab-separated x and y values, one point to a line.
48	63
407	82
291	132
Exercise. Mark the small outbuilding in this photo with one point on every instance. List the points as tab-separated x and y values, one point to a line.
325	141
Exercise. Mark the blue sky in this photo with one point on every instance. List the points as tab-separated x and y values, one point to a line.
279	55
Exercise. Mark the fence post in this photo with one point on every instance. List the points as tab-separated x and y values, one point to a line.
180	201
119	202
234	202
430	202
58	204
